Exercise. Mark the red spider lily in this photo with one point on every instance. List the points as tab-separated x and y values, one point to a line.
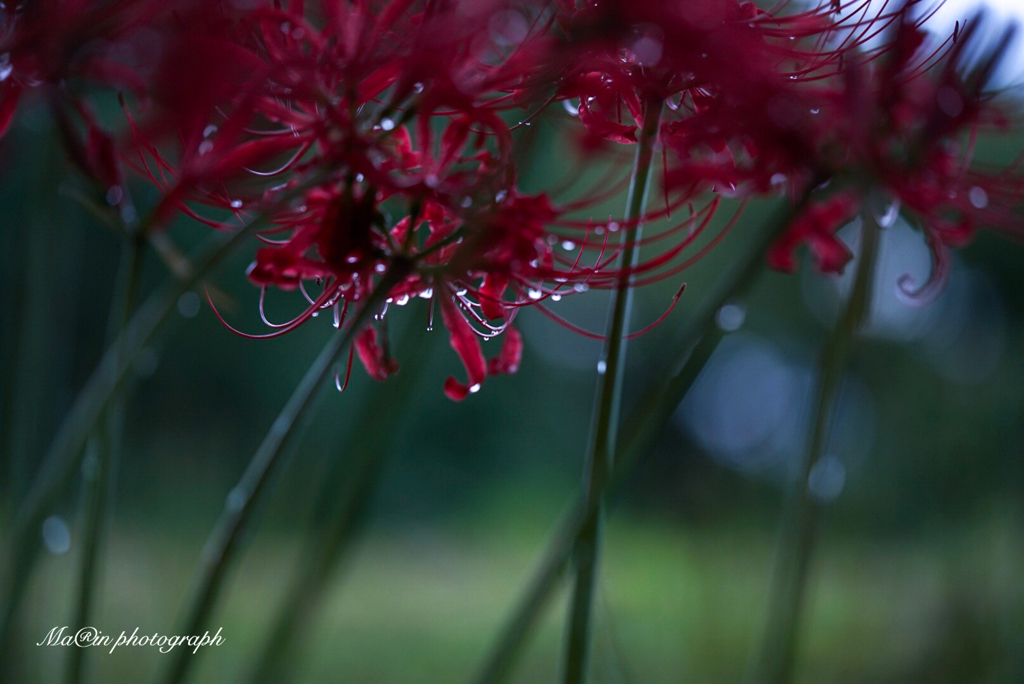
904	128
111	43
617	54
331	99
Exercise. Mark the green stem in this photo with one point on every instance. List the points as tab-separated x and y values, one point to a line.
58	466
256	481
698	341
776	656
344	499
600	456
99	481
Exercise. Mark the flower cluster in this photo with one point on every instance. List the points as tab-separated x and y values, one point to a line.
383	138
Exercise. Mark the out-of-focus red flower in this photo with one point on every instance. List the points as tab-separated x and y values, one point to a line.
903	128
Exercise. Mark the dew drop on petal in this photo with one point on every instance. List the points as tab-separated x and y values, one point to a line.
209	130
602	367
236	204
474	388
534	294
380	268
427	293
387	124
572	107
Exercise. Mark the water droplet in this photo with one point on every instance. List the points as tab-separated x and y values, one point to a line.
601	367
380	268
236	204
427	293
581	287
235	500
647	51
56	535
568	245
209	130
466	203
402	300
359	178
827	479
418	87
474	388
114	195
500	196
978	197
731	317
815	110
205	147
885	210
556	297
5	66
613	226
387	124
534	294
188	304
572	107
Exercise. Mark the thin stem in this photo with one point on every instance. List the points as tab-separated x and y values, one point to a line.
344	499
100	472
604	430
58	466
256	481
698	341
776	656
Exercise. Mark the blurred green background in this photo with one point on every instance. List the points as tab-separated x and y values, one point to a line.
917	577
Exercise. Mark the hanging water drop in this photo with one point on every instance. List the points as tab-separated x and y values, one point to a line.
885	210
5	66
